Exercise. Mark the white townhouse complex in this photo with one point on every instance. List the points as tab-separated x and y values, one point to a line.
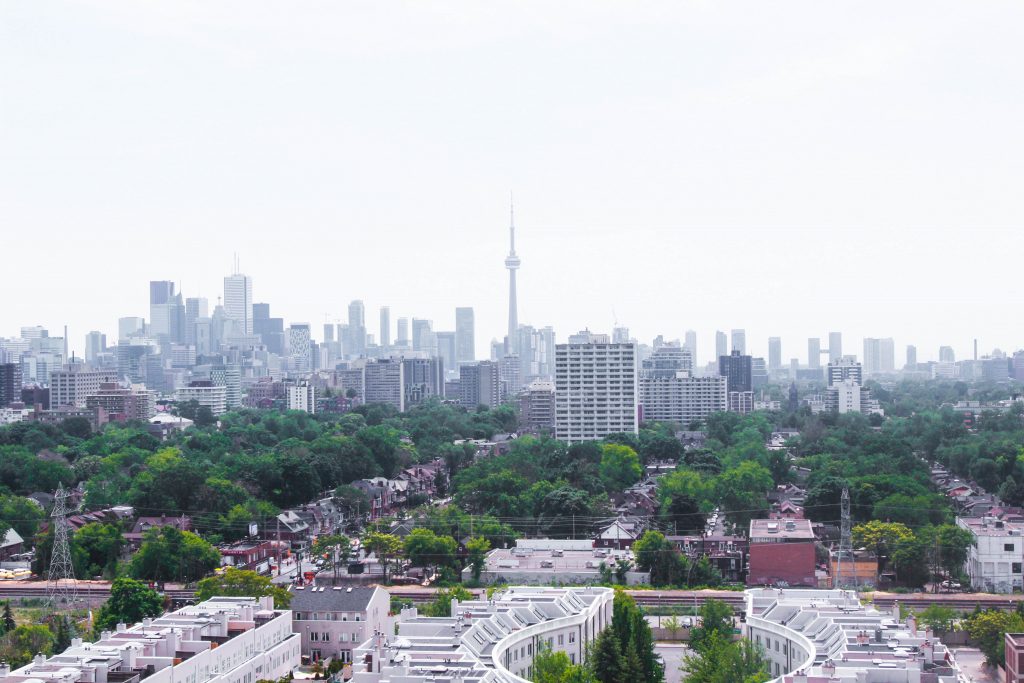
486	641
222	640
828	636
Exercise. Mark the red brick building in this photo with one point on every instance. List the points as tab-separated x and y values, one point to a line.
1014	657
781	553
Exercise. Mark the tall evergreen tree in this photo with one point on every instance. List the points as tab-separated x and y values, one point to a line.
606	660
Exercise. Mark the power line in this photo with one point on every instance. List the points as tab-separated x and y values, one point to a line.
61	586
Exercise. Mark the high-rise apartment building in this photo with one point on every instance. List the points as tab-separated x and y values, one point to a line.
10	383
681	398
814	353
691	343
620	335
843	369
134	402
911	357
206	394
736	368
595	388
384	382
666	361
774	354
537	407
835	346
739	341
300	349
738	371
71	385
465	345
509	369
238	303
422	378
301	396
479	384
385	327
946	354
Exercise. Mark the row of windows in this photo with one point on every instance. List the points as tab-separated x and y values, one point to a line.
328	616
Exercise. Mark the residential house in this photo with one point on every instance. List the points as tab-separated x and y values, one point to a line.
144	524
254	556
332	621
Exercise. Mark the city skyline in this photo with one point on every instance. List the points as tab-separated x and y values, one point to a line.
806	154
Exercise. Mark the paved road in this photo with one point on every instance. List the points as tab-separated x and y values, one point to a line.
972	662
674	653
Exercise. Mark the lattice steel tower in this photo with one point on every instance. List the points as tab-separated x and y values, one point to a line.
845	546
61	587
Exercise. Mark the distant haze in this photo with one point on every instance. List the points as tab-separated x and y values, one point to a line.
789	168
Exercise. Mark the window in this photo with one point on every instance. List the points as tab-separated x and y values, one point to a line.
572	657
776	646
1016	567
326	637
572	637
1008	547
359	617
561	639
314	637
298	616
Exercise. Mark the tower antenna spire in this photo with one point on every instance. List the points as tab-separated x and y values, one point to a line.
512	222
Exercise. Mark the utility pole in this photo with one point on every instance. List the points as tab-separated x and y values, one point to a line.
279	546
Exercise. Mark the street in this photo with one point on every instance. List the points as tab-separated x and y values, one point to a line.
673	653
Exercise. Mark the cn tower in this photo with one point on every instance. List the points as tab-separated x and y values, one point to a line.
512	262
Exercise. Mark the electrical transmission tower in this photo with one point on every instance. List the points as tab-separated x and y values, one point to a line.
845	553
61	587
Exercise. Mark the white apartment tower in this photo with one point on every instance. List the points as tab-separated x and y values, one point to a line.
595	388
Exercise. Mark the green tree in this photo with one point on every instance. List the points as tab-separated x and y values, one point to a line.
8	618
130	601
333	549
102	544
477	548
425	549
241	582
988	629
606	662
20	645
387	548
938	617
673	626
441	606
716	618
168	554
722	661
620	467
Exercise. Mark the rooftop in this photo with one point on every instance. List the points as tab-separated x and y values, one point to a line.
780	529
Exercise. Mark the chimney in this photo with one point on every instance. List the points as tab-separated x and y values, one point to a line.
121	627
105	635
912	625
828	668
5	669
878	635
800	677
39	659
928	650
895	610
76	642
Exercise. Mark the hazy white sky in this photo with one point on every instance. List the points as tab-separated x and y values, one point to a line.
790	168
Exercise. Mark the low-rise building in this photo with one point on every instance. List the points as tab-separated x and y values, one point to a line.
781	553
254	556
221	640
996	558
333	621
487	641
823	636
543	561
206	394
